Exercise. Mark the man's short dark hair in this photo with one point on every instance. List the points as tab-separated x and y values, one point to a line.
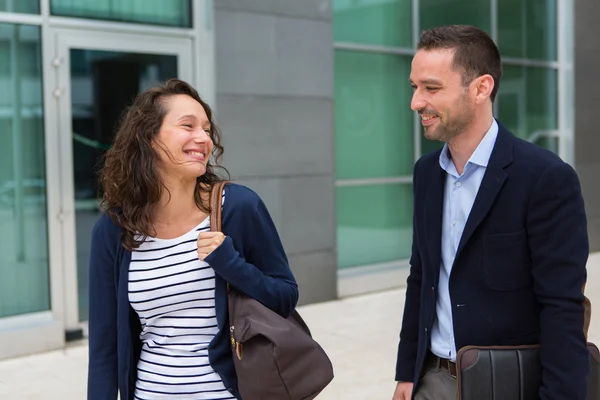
474	51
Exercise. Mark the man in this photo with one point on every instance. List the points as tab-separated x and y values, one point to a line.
499	236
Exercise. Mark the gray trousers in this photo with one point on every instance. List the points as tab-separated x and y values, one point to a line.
436	384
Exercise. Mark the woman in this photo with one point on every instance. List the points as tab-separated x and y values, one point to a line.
158	304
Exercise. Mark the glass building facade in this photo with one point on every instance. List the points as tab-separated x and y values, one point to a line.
339	186
378	138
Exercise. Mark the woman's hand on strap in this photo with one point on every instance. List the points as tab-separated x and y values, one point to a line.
208	242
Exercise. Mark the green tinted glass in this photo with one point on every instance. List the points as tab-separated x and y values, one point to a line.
373	120
374	224
20	6
434	13
527	101
23	220
384	23
156	12
427	146
527	29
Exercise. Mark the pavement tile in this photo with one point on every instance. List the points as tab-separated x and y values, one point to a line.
360	334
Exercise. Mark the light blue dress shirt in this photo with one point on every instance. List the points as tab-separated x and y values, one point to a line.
459	196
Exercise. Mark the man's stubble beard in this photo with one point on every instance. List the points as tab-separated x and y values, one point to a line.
454	126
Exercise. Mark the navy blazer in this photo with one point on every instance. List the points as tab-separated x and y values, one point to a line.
251	258
519	270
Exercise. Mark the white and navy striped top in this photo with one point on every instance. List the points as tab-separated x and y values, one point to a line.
173	292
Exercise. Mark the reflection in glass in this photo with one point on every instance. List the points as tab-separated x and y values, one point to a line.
434	13
374	224
528	102
528	29
383	23
155	12
373	119
20	6
428	146
103	84
24	285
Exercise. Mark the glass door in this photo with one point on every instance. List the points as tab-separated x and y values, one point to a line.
98	76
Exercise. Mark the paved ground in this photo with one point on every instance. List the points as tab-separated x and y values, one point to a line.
360	334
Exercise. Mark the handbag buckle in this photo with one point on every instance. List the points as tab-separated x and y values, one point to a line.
232	337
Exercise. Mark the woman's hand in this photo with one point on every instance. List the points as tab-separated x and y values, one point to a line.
208	242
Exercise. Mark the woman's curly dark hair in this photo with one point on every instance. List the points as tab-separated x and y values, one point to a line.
130	179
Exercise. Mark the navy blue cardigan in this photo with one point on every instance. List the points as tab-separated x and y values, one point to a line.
251	258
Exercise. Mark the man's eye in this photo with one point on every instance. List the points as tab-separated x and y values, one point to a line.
432	89
188	125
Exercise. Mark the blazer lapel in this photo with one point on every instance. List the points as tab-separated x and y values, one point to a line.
434	207
492	182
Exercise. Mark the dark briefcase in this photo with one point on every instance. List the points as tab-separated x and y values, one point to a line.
515	373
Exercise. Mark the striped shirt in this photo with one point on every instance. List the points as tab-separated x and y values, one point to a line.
173	293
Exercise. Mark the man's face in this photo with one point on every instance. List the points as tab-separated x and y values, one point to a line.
439	96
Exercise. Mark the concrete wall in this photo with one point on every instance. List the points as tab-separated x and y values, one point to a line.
274	64
587	104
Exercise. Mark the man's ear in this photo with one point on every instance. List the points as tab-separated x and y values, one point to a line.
483	86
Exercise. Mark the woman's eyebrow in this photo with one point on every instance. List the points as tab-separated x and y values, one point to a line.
187	116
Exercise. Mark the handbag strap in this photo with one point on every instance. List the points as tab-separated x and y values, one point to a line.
216	210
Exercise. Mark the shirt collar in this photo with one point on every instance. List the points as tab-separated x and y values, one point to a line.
481	155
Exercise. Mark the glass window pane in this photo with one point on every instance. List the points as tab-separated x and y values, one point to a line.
24	285
384	23
527	29
20	6
468	12
157	12
373	120
374	224
528	101
427	146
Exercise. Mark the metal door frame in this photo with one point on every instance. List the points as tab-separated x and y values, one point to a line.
59	146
